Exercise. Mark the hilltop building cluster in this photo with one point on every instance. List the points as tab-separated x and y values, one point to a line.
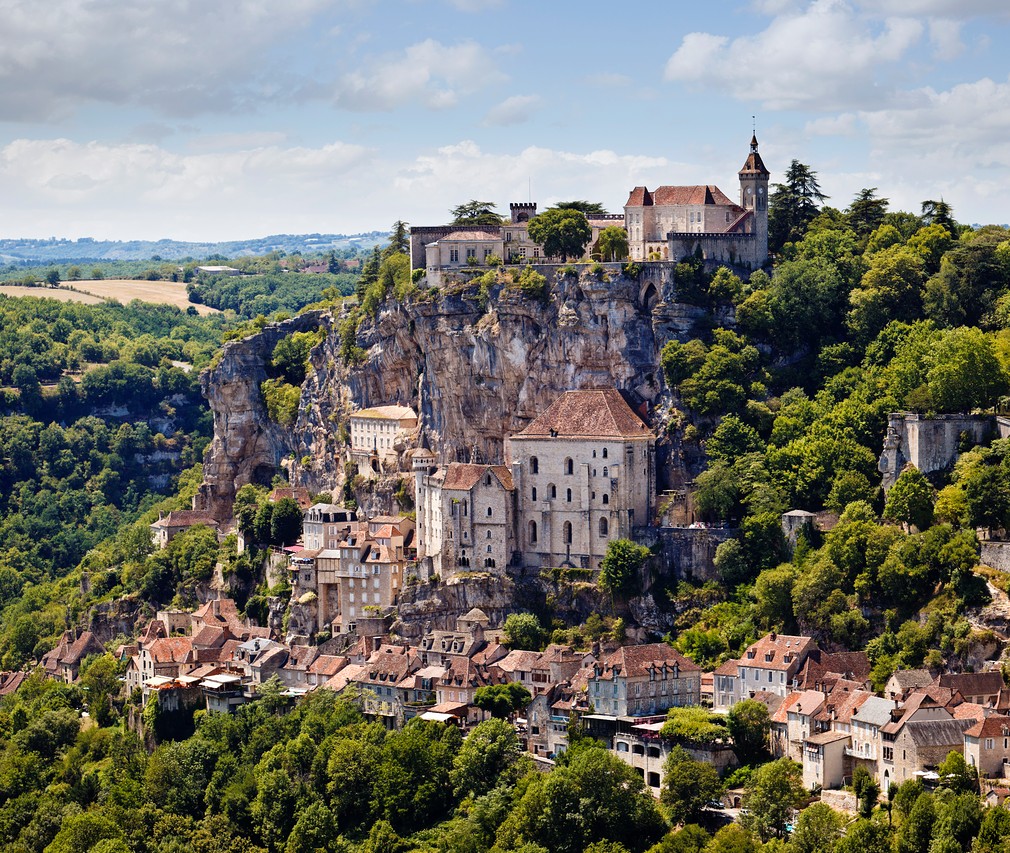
665	224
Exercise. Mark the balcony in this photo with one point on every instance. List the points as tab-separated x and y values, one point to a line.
853	752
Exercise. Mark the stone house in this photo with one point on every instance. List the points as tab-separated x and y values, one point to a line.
921	745
771	664
165	657
981	688
324	525
584	474
64	661
904	681
638	681
378	678
824	759
724	686
167	527
801	721
987	746
465	517
378	436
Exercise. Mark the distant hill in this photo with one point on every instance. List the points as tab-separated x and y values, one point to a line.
56	250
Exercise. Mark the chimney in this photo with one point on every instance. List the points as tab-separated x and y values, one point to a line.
772	636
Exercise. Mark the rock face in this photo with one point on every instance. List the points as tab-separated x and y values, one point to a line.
474	369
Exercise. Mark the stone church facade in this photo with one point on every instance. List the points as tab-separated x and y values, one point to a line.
579	476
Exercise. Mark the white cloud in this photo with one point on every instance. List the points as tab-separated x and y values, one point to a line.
181	57
961	9
514	110
820	57
428	73
945	36
146	190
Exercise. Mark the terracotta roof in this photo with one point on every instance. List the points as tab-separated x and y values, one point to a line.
463	476
185	518
170	649
693	195
345	676
997	725
807	703
602	413
386	413
86	644
327	665
637	661
519	660
972	683
968	711
211	636
844	700
11	681
727	668
781	714
771	651
299	494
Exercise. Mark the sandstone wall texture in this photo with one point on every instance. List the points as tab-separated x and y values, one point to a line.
474	371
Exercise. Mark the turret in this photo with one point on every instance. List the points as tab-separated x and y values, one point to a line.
754	197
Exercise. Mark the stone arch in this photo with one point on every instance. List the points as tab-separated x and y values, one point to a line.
649	296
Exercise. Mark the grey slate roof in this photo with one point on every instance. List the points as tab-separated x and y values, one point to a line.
875	711
937	732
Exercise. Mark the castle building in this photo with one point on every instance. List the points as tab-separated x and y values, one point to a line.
671	222
584	473
465	516
579	476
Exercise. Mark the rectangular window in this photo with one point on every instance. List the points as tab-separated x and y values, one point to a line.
454	256
471	253
522	252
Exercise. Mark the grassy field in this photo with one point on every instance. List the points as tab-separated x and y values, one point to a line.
123	290
49	293
158	292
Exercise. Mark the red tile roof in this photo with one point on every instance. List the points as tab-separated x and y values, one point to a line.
637	661
771	651
697	194
994	726
463	476
170	649
602	413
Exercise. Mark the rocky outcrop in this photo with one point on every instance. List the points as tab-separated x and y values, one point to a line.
475	369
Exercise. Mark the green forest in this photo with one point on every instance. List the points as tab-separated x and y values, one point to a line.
866	311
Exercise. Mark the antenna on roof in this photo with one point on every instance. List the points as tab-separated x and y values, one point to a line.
754	125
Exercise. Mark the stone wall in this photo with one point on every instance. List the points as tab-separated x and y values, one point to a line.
689	552
996	554
931	444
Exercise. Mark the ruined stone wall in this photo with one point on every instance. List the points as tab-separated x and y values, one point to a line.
929	443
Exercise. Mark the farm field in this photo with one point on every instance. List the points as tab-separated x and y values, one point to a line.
93	292
50	293
157	292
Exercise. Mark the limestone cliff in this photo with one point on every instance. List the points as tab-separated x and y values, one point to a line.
475	369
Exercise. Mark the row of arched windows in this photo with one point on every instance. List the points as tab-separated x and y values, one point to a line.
566	531
569	465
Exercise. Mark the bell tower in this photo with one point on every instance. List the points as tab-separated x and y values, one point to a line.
754	197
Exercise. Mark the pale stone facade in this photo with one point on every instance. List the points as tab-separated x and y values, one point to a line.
671	222
581	475
378	435
585	475
323	525
465	517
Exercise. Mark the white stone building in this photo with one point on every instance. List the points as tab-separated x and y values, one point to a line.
378	435
584	473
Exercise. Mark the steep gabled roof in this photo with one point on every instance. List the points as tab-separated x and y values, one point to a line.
463	476
602	413
185	518
638	661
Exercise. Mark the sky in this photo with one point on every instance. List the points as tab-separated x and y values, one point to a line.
213	120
